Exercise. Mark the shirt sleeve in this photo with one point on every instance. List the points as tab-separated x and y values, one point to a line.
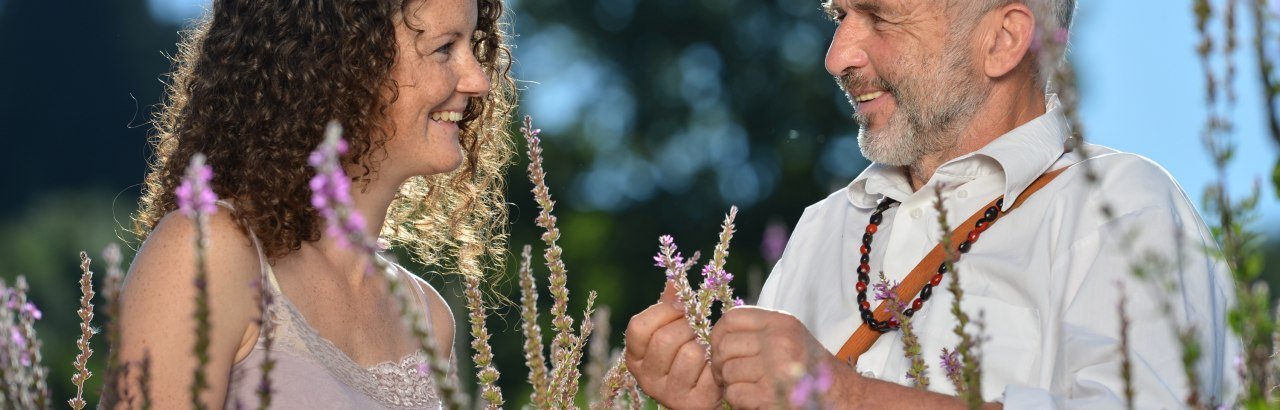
771	294
1156	259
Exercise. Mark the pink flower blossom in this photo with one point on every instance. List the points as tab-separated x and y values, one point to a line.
774	241
194	194
331	188
31	309
814	383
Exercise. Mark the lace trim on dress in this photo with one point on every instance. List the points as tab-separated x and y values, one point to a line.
395	384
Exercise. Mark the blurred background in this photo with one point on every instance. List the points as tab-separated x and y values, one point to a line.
657	116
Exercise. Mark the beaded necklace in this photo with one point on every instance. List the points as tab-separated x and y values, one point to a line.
864	266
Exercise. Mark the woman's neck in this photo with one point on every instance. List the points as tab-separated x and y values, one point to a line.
371	201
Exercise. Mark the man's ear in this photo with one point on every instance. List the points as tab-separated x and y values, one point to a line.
1011	31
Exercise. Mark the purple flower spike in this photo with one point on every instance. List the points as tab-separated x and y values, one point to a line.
774	241
32	310
884	290
16	337
813	384
331	188
194	194
950	361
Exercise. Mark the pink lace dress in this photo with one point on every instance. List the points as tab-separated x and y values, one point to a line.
312	373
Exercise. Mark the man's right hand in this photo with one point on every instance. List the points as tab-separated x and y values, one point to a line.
666	358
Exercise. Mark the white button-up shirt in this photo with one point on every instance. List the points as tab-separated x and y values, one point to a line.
1045	279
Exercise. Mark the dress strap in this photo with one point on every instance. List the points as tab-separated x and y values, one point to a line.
409	280
264	270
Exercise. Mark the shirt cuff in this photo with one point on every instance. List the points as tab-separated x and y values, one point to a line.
1024	397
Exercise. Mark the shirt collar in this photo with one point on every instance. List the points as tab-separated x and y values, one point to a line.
1021	156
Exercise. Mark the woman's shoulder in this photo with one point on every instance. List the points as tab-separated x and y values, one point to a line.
165	271
158	303
228	249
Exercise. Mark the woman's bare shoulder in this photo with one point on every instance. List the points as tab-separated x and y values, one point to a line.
158	304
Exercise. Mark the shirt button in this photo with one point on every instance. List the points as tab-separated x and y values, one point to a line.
962	194
871	375
915	213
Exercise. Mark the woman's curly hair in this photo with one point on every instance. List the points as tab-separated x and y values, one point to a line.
253	86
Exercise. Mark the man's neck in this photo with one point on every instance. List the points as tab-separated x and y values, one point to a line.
1008	108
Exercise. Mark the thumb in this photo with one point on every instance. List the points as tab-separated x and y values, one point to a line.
669	293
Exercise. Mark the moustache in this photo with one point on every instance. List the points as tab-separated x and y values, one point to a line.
851	81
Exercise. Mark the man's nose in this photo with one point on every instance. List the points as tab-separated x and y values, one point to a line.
846	51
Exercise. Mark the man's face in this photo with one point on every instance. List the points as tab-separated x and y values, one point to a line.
913	84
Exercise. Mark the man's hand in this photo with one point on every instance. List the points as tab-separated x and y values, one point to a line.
758	354
666	358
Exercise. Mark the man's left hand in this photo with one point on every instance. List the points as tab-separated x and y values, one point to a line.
758	354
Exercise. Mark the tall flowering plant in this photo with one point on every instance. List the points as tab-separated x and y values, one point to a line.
331	195
22	375
555	384
198	201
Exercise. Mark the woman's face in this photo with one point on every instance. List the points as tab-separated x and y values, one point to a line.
436	75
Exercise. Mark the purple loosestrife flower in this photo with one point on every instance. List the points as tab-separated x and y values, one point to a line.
331	190
197	201
331	195
686	298
194	194
811	385
31	309
952	368
774	241
885	290
713	277
18	340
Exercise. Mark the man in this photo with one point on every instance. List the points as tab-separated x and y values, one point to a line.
950	96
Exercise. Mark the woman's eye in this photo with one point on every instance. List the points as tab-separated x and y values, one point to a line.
445	49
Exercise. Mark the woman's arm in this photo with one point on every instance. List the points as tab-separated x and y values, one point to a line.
158	305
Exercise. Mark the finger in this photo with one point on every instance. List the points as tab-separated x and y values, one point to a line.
665	345
739	344
708	387
642	326
669	293
748	395
689	365
745	318
741	370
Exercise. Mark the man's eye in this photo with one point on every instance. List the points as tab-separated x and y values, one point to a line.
875	19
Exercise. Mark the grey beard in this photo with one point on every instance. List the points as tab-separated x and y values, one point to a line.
925	122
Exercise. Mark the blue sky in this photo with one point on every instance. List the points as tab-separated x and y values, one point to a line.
1142	90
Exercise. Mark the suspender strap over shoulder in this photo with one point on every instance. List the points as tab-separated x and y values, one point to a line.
864	336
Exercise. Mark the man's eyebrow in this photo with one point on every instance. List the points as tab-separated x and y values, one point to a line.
860	6
831	8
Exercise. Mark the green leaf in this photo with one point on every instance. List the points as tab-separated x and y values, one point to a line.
1275	178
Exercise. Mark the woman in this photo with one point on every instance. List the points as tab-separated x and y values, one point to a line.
423	90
